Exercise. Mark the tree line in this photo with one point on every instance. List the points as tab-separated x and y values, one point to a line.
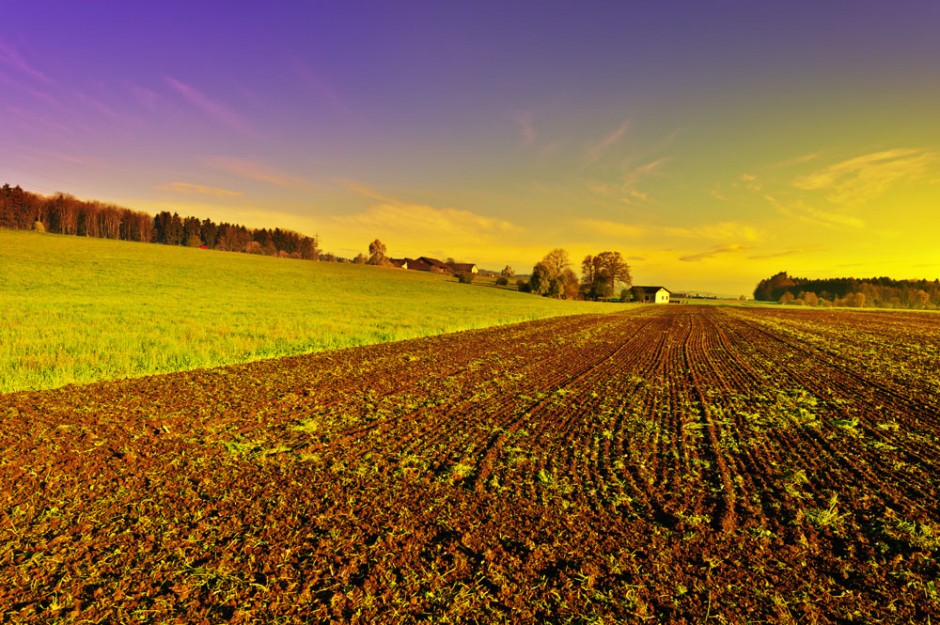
61	213
65	214
853	292
600	275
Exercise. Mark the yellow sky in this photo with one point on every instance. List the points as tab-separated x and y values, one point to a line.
710	145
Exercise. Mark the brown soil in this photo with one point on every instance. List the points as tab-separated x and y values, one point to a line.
675	464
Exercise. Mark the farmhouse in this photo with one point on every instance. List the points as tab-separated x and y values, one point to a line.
459	268
401	263
651	294
416	264
435	265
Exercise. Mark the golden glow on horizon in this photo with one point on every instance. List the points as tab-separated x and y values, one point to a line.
865	214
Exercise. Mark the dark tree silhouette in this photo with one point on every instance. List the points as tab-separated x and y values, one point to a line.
64	214
854	292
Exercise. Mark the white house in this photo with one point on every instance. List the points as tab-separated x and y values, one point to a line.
651	294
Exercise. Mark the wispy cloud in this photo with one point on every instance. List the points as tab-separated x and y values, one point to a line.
796	160
617	192
804	211
597	149
12	58
728	248
216	110
628	189
786	200
34	121
82	161
613	228
721	231
417	221
252	170
24	86
97	105
751	182
831	196
865	177
635	175
197	189
795	251
147	97
525	121
320	86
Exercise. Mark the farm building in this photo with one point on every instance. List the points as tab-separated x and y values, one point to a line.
464	268
401	263
416	264
435	265
651	294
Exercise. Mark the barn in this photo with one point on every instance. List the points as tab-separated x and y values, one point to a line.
416	264
459	268
435	265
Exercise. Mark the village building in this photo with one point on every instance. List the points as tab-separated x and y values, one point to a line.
459	268
436	266
416	264
651	294
433	265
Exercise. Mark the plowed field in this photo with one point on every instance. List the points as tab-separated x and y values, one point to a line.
672	464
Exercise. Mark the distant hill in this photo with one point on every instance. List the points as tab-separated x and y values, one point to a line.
855	292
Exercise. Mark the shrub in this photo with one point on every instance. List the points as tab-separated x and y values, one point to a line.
502	281
38	227
465	277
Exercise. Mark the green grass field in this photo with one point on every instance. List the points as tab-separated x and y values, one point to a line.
76	310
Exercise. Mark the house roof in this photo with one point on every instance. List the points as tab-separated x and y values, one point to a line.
434	262
652	289
461	267
418	264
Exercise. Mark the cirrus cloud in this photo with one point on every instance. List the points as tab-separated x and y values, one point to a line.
253	170
728	248
862	178
596	150
214	109
198	189
417	221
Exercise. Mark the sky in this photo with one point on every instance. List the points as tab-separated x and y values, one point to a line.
711	142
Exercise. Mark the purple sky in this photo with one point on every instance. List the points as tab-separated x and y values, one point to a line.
713	143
